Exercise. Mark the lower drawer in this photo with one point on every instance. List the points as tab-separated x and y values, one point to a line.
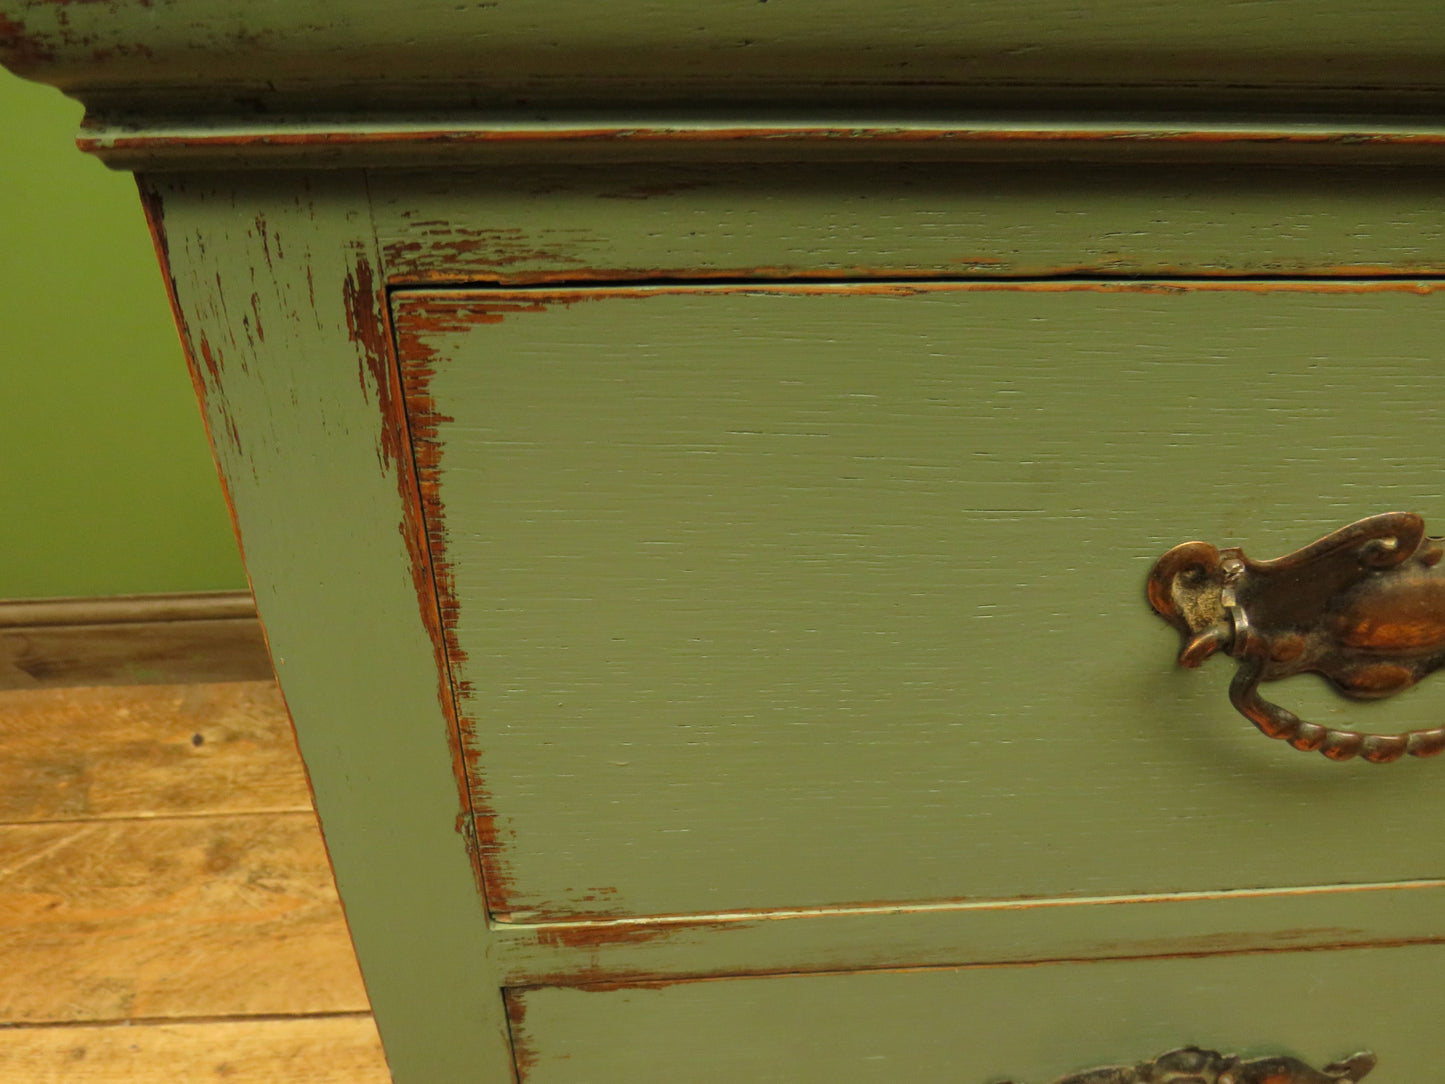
1032	1025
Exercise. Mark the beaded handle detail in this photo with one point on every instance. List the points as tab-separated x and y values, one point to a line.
1364	606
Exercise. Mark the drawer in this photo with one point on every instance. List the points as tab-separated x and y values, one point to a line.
822	595
1029	1025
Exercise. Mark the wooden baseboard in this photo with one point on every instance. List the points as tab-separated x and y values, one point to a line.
131	640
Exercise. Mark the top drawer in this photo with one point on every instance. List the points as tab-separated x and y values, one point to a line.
793	596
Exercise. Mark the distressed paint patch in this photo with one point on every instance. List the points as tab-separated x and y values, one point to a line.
153	206
22	50
524	1055
420	422
434	577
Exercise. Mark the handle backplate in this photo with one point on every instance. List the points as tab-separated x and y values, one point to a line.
1191	1065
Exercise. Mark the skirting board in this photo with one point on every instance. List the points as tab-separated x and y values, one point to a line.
131	640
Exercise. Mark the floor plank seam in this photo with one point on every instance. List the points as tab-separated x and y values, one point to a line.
122	818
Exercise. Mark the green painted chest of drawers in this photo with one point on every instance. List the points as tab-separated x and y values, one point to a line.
699	468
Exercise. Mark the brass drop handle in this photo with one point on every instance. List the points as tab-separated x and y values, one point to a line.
1364	606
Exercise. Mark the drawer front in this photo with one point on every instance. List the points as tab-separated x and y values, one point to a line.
806	596
1029	1025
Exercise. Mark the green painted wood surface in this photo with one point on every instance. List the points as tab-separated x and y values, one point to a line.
811	596
1030	1025
108	485
748	220
1066	53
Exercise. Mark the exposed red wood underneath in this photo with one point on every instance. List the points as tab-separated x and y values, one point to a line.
591	935
23	51
844	910
524	1057
410	414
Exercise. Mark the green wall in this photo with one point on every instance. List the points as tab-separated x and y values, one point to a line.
106	481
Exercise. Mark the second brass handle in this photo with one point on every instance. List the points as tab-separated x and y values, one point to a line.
1364	606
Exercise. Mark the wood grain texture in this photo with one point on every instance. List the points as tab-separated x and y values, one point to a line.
196	916
135	653
122	609
207	636
1031	1025
92	753
325	1050
671	550
136	894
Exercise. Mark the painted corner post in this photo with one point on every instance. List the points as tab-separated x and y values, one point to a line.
298	393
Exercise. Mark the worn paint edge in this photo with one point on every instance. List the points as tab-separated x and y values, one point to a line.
937	938
640	982
729	918
153	206
154	145
418	419
372	332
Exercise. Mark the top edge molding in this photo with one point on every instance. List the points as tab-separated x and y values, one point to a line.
222	142
193	56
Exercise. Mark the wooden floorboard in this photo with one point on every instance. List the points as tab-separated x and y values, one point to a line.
167	912
88	753
193	916
336	1050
